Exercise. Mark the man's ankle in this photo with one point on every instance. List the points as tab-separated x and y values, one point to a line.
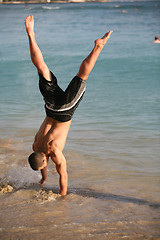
31	35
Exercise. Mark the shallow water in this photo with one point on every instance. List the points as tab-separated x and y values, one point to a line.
113	147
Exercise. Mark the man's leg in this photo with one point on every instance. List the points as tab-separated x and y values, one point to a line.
36	55
88	63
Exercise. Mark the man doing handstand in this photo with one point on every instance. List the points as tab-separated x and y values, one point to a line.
59	105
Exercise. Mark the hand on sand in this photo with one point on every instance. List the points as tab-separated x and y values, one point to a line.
42	181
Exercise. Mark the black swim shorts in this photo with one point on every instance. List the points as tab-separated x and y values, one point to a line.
60	105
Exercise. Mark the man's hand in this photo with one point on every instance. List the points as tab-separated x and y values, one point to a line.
42	181
44	175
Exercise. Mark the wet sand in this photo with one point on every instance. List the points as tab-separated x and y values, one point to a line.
29	211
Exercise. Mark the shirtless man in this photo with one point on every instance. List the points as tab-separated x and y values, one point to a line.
59	105
156	40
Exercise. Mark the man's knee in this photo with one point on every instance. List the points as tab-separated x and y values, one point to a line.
43	69
82	75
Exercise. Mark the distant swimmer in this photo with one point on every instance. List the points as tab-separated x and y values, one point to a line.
124	11
156	40
26	6
60	105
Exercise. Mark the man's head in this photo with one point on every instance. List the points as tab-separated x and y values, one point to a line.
37	160
156	38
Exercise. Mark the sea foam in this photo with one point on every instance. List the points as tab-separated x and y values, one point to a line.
20	177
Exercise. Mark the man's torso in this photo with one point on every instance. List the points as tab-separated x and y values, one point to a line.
51	134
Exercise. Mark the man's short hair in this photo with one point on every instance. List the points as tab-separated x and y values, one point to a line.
36	160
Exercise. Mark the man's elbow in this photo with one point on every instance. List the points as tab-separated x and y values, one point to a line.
61	167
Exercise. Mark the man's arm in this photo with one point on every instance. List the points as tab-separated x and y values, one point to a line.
63	177
61	167
44	175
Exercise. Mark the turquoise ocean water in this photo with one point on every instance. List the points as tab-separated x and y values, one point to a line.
113	147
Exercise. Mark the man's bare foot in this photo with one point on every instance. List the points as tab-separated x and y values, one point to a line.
29	23
102	41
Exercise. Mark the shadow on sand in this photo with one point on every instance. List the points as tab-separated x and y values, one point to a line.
90	193
109	196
